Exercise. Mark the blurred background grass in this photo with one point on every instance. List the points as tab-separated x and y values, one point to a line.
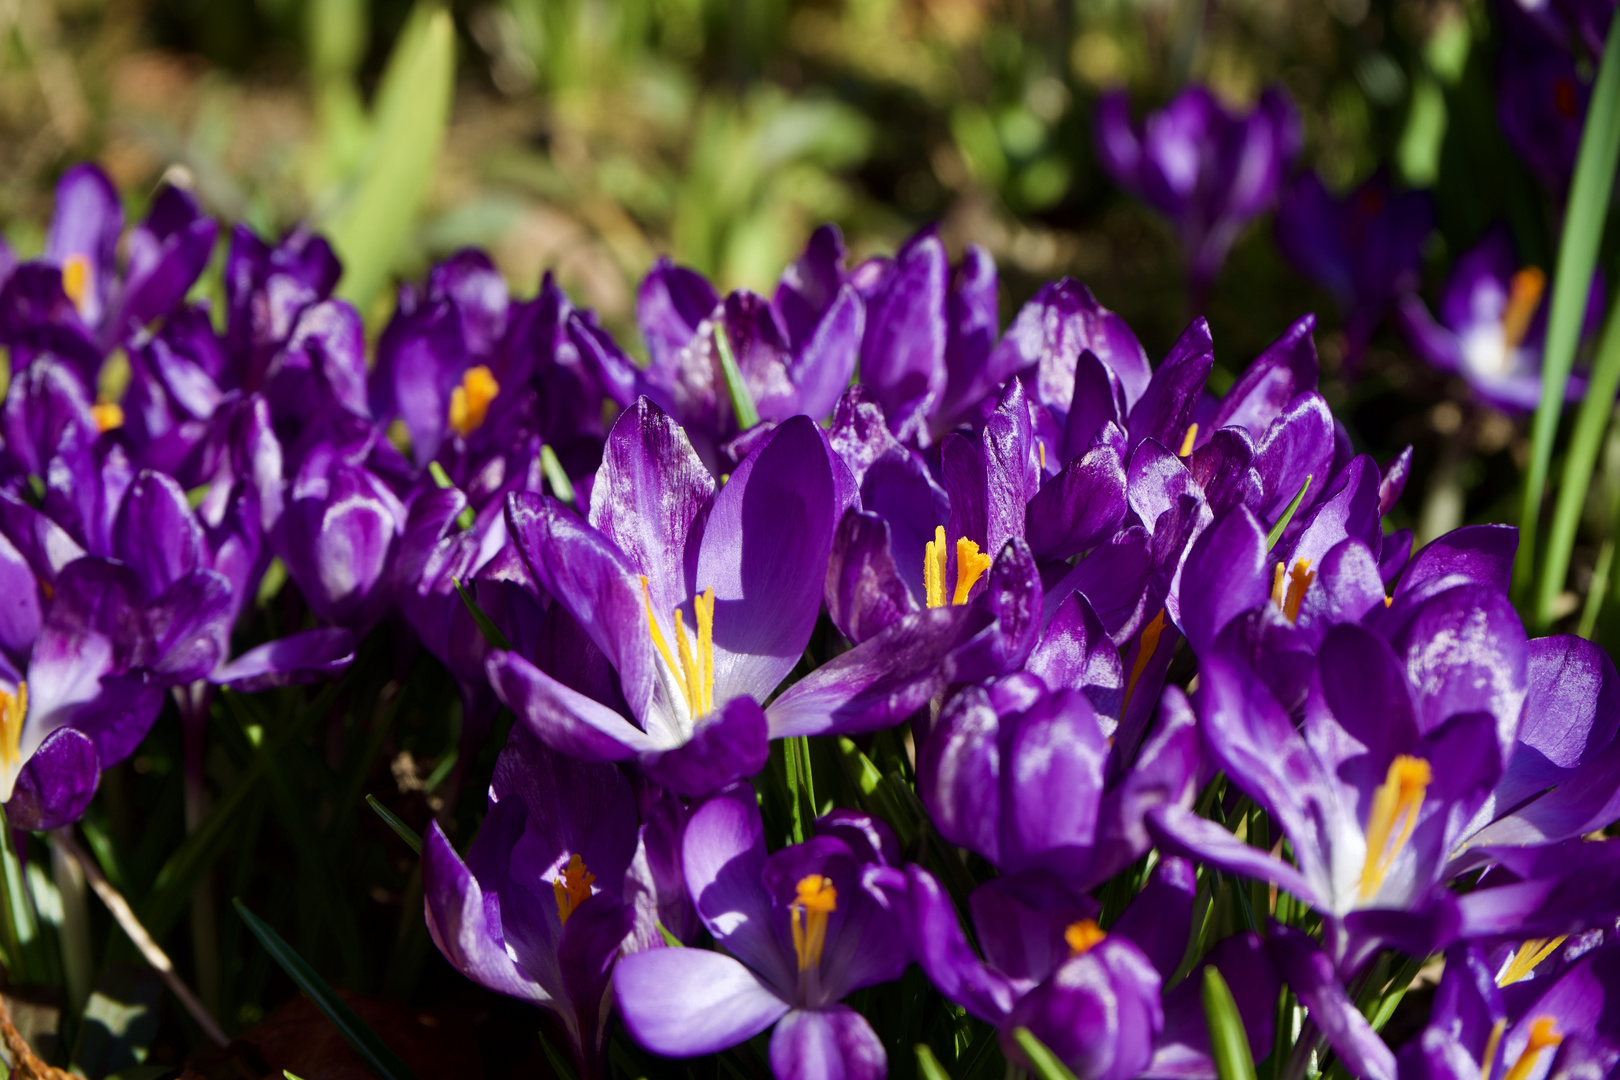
587	136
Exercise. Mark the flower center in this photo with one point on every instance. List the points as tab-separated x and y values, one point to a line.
816	899
1394	815
572	887
693	672
1526	957
77	278
970	566
1288	587
1524	295
107	415
469	402
1542	1035
1083	936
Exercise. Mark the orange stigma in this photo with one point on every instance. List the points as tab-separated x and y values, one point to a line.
1524	296
572	887
814	902
1083	936
78	278
469	402
1393	816
1543	1034
1288	587
970	566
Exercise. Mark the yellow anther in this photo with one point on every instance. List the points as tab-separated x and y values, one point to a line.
469	402
1144	653
1187	440
1388	600
1526	957
815	900
1542	1035
1395	803
1494	1041
1288	587
1082	936
13	711
572	887
1524	296
1041	447
78	277
970	567
107	415
693	672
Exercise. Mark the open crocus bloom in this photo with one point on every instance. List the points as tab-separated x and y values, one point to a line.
544	900
701	600
803	927
1493	318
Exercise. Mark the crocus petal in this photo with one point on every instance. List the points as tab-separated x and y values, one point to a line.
1298	444
1225	575
56	784
465	924
87	224
308	656
156	532
866	593
1181	830
1159	919
1166	407
823	369
1183	1051
809	285
564	718
686	1002
1081	506
1059	322
594	580
1310	973
1286	369
764	554
945	956
1099	1013
723	852
903	351
726	745
827	1044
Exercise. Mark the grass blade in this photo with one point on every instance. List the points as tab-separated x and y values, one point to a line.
742	402
362	1038
1228	1044
1287	515
1587	207
406	833
1590	424
928	1066
1044	1064
486	625
412	111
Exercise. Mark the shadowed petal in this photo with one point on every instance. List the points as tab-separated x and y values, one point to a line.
465	923
309	656
56	784
726	745
564	718
827	1044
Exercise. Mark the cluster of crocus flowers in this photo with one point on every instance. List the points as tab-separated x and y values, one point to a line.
1128	646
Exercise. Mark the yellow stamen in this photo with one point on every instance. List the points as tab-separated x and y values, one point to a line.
1188	440
77	278
693	672
1042	448
1542	1035
816	900
469	402
1278	578
1082	936
1524	295
1388	600
1526	957
1145	650
13	711
572	887
970	566
1491	1044
1397	801
107	415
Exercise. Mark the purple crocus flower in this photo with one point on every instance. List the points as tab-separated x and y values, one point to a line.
557	884
795	352
1542	93
1492	324
744	567
1209	170
1495	1019
266	289
1364	248
801	929
1404	738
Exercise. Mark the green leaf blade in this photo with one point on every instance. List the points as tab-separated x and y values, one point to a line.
1043	1063
1228	1043
360	1036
